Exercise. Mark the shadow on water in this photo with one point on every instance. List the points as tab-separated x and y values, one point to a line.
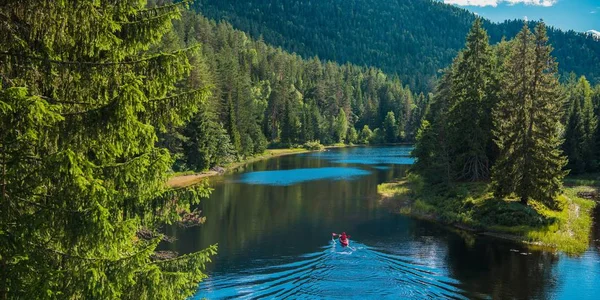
273	241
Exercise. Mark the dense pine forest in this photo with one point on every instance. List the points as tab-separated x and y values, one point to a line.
412	38
262	96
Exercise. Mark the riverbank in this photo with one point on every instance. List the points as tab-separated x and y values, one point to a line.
472	207
186	178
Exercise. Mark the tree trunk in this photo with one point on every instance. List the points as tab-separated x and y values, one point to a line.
524	200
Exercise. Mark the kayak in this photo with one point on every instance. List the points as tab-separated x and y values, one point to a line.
345	242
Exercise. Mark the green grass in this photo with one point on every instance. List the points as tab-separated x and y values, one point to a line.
473	205
590	179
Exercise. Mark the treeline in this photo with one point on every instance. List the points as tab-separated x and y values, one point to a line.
500	113
413	38
262	96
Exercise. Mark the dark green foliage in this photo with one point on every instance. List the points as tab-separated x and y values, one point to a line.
527	123
263	95
389	128
340	127
516	86
83	193
412	38
472	97
207	143
457	141
352	136
581	128
432	145
365	135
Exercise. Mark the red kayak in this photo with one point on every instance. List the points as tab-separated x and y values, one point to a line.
344	242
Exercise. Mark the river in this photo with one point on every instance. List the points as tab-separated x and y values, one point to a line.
273	222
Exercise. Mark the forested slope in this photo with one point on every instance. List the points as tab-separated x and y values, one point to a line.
262	95
413	38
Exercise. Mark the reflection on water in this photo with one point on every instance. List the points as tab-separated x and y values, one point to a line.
289	177
368	156
274	242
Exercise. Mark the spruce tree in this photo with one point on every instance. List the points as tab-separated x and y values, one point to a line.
472	100
389	128
365	135
352	136
83	185
340	126
527	122
432	146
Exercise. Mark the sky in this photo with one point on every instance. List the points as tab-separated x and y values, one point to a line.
578	15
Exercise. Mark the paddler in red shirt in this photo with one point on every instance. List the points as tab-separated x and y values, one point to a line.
343	238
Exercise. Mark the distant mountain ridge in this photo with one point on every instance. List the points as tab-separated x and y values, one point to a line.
413	38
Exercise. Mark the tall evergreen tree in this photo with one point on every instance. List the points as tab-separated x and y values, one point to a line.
352	136
207	143
340	127
527	123
472	99
81	99
389	128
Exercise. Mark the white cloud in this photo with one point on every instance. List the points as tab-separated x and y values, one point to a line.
496	2
595	33
593	12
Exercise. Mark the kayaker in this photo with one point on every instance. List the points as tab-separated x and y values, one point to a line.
344	239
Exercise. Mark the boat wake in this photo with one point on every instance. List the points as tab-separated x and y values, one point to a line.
358	271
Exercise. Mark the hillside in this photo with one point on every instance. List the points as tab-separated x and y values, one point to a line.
414	38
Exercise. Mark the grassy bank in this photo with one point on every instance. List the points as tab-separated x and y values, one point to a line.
471	206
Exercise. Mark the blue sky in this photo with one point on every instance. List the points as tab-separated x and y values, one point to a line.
578	15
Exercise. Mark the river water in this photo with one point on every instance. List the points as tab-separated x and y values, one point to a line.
273	222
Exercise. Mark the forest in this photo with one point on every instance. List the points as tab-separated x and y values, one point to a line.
412	38
261	96
499	113
97	110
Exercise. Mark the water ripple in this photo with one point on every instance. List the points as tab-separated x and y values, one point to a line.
335	272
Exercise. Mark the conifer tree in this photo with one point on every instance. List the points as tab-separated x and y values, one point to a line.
365	135
352	136
83	185
527	122
472	99
207	143
432	147
580	134
341	126
390	129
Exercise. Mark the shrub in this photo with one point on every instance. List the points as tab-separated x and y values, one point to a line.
313	146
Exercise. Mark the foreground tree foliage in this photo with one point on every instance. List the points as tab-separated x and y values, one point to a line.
82	184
